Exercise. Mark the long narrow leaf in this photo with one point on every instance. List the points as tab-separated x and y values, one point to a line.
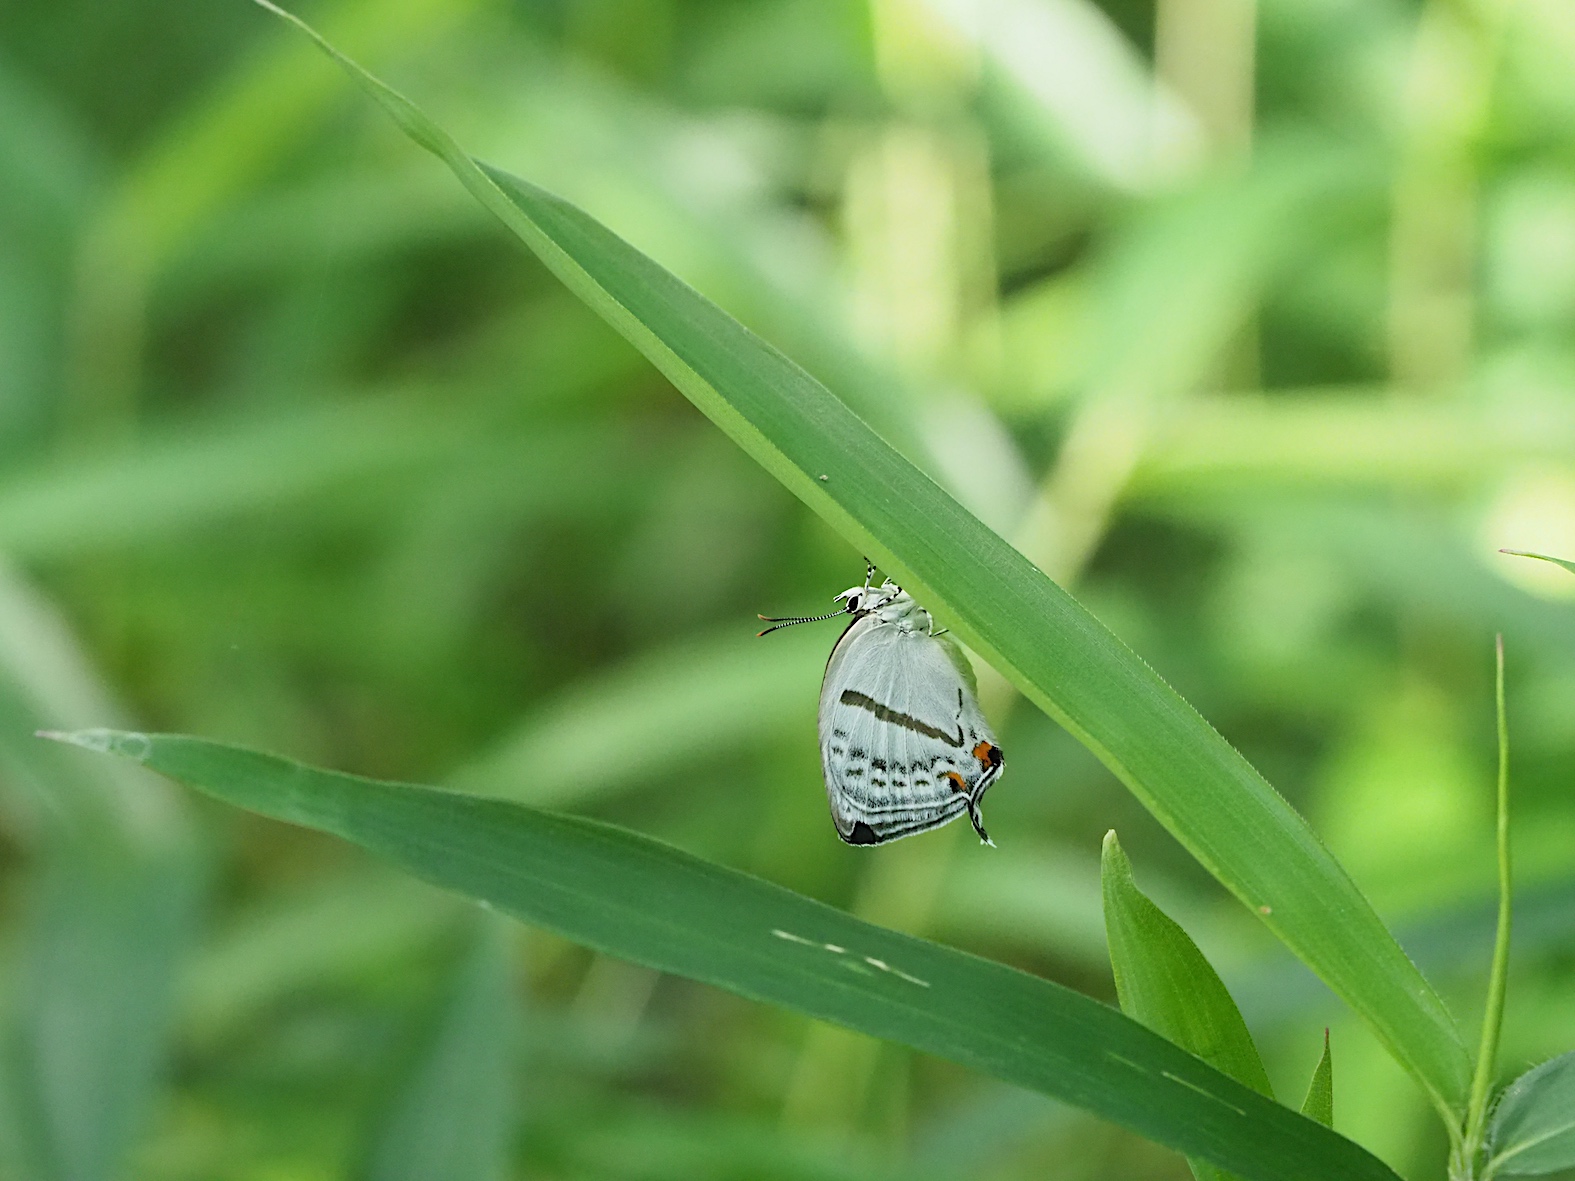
634	897
1046	643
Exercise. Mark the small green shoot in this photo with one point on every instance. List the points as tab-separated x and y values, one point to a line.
1319	1104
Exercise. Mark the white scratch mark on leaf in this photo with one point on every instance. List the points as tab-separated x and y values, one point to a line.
1176	1078
834	949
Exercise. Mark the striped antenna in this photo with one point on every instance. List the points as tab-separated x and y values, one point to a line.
779	624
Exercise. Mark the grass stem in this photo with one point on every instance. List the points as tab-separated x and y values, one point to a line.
1493	1017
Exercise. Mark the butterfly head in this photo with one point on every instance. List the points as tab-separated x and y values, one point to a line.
864	600
887	601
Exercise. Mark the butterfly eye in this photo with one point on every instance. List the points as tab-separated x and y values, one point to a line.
854	603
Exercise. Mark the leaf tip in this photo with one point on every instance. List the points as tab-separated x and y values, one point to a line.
1319	1104
1116	881
1525	553
126	743
1112	857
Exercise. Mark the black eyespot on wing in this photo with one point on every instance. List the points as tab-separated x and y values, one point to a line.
861	834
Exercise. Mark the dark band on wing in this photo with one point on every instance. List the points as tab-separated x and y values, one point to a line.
906	721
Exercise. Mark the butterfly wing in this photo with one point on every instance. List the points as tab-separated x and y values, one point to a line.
903	743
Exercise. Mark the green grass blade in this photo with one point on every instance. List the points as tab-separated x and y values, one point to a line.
636	898
1520	553
1533	1125
453	1116
1164	981
1319	1104
1046	643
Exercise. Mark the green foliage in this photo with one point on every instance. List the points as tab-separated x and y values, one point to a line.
1217	312
638	899
1183	771
1533	1125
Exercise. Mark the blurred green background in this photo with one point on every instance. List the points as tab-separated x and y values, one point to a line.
1253	322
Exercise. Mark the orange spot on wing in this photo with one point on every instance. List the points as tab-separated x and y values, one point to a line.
957	782
988	754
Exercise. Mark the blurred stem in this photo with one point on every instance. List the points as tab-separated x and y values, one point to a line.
1447	102
1493	1018
1205	51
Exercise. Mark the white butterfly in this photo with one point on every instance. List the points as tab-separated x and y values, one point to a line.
903	743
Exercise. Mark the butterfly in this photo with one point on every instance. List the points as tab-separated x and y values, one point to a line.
904	745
